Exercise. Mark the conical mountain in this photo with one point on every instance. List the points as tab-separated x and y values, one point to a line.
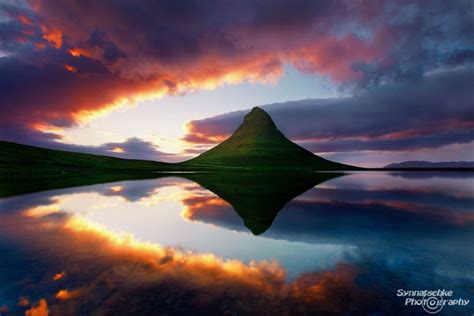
257	143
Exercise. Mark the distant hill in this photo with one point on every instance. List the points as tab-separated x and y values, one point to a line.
258	144
433	165
17	158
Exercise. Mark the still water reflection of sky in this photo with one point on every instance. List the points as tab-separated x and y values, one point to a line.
344	244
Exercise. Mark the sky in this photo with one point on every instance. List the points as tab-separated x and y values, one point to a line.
361	82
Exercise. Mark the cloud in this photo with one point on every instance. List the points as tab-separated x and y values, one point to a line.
213	210
135	190
48	94
39	309
68	61
410	116
131	148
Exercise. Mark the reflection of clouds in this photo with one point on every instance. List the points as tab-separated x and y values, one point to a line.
204	206
454	184
394	207
150	192
384	195
316	286
133	190
209	209
43	210
116	188
110	267
389	217
107	272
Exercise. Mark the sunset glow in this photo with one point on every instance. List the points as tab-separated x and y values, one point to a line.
53	36
110	74
118	150
206	157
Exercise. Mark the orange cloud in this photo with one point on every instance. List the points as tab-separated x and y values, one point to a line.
40	45
39	309
116	188
58	276
65	295
24	20
118	150
203	206
23	302
42	210
70	68
195	135
52	35
76	52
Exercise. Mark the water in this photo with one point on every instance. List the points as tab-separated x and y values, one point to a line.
240	243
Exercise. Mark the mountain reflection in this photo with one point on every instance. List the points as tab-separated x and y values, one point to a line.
257	197
326	244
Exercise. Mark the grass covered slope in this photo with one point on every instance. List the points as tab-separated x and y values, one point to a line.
258	143
17	158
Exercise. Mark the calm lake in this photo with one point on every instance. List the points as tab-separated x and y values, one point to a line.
238	244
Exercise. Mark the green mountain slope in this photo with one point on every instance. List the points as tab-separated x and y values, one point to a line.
17	158
258	143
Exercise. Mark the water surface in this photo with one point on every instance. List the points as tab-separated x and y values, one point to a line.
239	243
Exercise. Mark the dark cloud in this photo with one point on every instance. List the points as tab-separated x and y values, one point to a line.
48	94
427	114
427	36
131	148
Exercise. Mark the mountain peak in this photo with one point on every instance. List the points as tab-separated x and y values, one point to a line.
257	111
258	117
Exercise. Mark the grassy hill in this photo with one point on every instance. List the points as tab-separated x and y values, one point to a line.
17	158
258	144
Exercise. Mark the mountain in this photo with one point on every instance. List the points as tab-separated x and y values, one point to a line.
429	164
258	144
